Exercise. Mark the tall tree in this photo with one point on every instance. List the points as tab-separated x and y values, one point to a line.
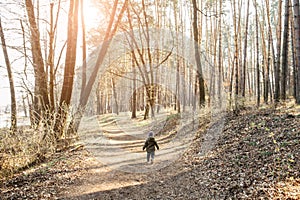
69	71
177	96
197	54
134	95
220	68
278	57
265	46
297	38
41	99
243	75
236	25
50	60
257	55
271	54
293	51
11	82
115	95
83	83
285	51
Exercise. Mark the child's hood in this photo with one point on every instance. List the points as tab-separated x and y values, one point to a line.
150	134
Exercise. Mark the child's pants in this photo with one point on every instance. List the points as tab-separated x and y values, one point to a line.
150	154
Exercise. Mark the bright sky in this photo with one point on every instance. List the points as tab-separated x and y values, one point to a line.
10	20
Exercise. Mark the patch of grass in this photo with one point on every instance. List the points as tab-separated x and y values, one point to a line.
173	116
266	153
51	163
253	143
284	144
248	141
242	157
25	149
252	125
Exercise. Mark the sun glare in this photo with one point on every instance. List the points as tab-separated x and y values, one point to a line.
92	15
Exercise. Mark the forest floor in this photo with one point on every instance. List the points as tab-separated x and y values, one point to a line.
257	156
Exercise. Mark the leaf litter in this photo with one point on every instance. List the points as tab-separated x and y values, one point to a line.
257	156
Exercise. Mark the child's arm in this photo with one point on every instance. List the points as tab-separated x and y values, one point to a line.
145	145
156	145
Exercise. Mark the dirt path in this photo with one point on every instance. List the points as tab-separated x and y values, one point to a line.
117	142
118	160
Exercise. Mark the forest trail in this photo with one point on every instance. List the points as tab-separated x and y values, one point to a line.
256	156
118	161
117	141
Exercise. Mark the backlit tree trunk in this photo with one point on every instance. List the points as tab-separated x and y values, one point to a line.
83	83
257	56
134	93
69	71
271	54
197	55
277	65
243	75
115	96
297	46
285	51
11	82
41	99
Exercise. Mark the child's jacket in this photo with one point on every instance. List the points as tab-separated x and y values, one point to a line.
150	145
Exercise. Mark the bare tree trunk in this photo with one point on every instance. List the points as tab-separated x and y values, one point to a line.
265	59
50	62
220	71
24	105
113	84
197	55
270	51
231	85
41	99
70	60
98	97
195	92
277	66
257	55
243	78
293	51
267	71
69	69
83	83
236	56
134	95
297	38
177	96
285	52
11	83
